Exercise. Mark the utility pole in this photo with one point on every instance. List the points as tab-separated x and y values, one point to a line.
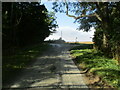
76	39
61	35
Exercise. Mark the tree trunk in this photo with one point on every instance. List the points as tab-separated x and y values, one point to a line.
117	54
104	40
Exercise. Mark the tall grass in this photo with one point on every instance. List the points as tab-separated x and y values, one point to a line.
107	68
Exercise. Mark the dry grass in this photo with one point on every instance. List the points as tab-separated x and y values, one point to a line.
86	42
83	42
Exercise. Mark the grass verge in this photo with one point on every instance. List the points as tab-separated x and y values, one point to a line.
81	46
13	64
107	69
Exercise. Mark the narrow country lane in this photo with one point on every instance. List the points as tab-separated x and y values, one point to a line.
54	69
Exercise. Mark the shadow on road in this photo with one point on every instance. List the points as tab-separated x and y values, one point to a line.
54	69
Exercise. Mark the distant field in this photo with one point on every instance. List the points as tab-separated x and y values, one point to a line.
86	42
82	42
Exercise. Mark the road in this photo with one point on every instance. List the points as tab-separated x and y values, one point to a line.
54	69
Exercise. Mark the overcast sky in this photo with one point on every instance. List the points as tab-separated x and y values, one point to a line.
68	28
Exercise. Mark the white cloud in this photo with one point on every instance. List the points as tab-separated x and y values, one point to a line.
70	34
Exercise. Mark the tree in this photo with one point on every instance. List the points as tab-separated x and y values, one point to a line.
26	23
101	16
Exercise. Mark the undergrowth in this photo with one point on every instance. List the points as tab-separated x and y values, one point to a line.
13	64
107	68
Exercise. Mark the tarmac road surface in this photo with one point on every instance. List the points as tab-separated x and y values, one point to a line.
54	69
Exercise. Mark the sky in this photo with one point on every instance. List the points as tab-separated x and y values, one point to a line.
67	28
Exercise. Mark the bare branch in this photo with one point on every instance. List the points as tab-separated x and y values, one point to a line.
83	15
67	11
98	17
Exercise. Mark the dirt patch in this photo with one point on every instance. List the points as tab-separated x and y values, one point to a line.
95	81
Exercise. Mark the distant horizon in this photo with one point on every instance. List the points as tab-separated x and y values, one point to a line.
68	28
67	41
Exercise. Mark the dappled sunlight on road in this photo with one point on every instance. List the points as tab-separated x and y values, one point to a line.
53	69
15	86
46	82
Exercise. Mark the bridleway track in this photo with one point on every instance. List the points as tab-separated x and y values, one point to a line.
54	69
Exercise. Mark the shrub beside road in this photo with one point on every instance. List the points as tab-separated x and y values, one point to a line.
97	64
